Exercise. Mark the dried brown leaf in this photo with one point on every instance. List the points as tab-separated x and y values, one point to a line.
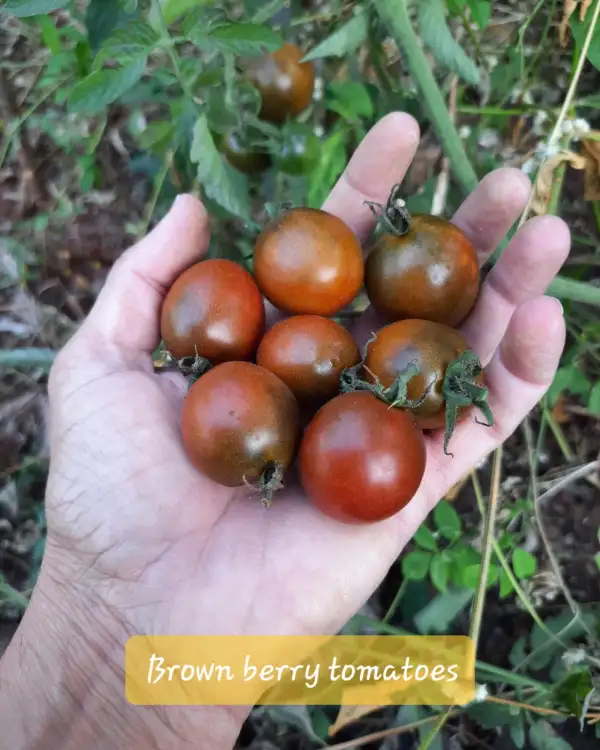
591	154
583	9
563	28
545	178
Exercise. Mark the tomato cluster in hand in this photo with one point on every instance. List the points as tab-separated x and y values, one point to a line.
362	454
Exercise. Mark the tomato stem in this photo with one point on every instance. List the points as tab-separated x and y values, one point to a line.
395	395
270	481
194	367
460	390
394	217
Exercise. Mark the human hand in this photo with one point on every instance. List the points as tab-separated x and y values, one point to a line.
149	545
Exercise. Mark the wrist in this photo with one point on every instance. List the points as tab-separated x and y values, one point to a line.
62	683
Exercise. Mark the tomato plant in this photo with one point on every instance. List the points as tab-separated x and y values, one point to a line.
308	262
214	310
285	84
240	425
361	461
309	353
431	366
421	267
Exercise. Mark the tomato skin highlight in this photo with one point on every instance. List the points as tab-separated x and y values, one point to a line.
429	273
360	461
285	84
309	353
432	346
308	262
215	309
238	419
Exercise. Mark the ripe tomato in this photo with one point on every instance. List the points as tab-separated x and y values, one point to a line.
241	155
308	262
285	84
240	424
450	390
213	309
309	353
361	461
429	273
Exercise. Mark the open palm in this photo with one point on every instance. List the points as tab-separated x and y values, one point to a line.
169	551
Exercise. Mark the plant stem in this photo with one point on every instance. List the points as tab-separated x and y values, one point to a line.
168	47
486	552
394	14
396	601
27	357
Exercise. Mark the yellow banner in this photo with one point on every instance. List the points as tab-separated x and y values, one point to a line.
347	670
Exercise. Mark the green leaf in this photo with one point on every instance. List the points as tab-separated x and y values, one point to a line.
481	10
241	39
49	34
524	563
174	9
491	715
415	564
594	399
571	693
332	161
26	8
543	737
425	539
445	49
439	571
568	378
580	30
350	99
103	87
345	40
156	136
471	575
136	39
438	615
447	520
506	585
220	182
517	733
102	17
518	652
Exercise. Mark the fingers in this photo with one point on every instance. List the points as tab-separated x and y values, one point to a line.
127	311
492	208
518	376
378	164
524	271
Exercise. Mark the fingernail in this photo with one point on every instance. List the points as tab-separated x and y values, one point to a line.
559	303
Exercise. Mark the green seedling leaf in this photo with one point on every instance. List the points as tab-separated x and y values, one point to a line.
524	563
447	520
425	539
345	40
437	37
415	564
221	182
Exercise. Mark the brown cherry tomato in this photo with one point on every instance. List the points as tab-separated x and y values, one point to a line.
240	424
429	273
308	262
285	84
215	310
432	347
361	461
309	353
241	156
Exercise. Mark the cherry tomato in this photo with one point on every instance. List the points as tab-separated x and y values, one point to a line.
241	155
213	309
285	84
361	461
432	347
308	262
240	424
429	273
299	151
309	353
